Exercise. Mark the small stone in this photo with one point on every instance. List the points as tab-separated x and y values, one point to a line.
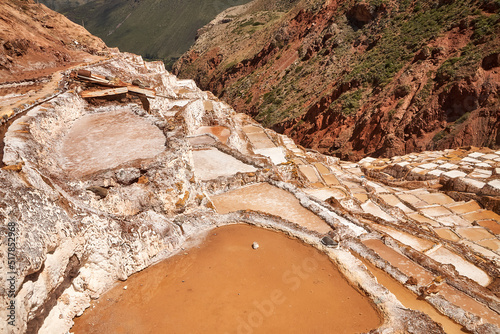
255	245
127	176
125	287
329	242
101	192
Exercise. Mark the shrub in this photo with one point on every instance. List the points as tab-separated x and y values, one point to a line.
438	136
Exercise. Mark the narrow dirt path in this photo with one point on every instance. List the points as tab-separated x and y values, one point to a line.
34	98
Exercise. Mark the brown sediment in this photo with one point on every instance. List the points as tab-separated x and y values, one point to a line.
225	286
220	132
491	224
410	300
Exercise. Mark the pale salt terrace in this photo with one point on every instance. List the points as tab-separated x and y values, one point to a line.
464	267
263	145
276	154
258	137
212	163
325	193
405	238
267	198
310	173
107	140
372	208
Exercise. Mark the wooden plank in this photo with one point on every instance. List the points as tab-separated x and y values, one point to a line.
148	92
104	92
115	82
94	79
84	73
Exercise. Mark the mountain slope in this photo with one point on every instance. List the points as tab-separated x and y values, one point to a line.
155	29
356	78
62	5
41	40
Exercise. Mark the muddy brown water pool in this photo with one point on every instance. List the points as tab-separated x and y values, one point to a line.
223	285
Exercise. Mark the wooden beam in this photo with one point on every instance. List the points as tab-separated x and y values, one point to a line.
148	92
116	83
104	92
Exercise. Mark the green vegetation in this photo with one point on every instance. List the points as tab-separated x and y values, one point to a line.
387	56
158	30
403	36
60	5
391	113
438	136
349	102
423	95
461	66
462	118
484	26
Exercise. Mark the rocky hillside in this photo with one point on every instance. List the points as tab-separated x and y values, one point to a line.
155	29
35	40
357	78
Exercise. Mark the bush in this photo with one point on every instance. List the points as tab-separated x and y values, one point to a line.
438	136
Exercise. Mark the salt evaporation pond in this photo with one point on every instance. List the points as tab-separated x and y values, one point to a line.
107	140
223	285
270	199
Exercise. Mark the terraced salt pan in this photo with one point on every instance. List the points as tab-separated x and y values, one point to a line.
465	268
453	220
212	163
447	234
330	179
481	250
467	303
411	300
474	233
407	239
201	140
436	211
422	219
461	208
493	244
370	207
276	154
482	215
490	224
258	139
408	267
263	145
221	132
361	197
325	193
394	201
413	200
107	140
267	198
322	168
309	173
436	198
